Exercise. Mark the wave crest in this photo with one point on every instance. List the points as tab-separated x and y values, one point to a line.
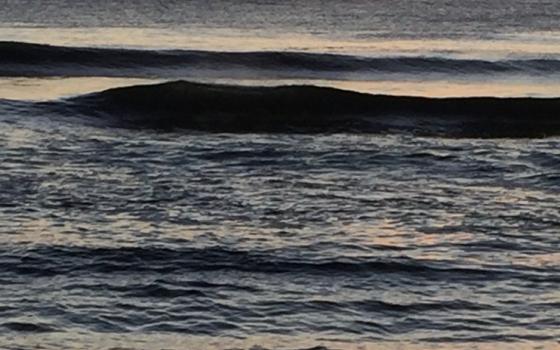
26	59
301	108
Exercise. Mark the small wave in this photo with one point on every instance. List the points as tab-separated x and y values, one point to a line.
26	59
157	290
376	305
53	260
27	327
238	109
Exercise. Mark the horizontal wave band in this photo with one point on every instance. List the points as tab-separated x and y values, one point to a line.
56	260
26	59
229	108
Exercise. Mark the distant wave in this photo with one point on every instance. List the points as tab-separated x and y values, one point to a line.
229	108
25	59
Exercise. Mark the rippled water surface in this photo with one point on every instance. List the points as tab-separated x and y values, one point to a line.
121	229
325	239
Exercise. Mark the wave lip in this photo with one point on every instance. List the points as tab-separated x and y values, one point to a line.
26	59
312	109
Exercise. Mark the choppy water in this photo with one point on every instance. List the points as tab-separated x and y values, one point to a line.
129	220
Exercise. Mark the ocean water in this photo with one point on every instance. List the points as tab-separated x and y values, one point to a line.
279	175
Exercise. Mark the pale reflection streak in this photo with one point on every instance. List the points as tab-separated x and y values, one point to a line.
50	231
392	234
97	341
232	40
42	89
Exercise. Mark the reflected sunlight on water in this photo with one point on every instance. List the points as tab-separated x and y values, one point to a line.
43	89
123	228
516	45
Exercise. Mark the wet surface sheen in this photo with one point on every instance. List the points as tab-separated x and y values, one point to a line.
141	239
342	237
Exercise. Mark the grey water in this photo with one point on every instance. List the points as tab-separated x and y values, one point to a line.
119	237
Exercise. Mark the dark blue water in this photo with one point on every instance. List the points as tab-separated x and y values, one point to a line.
209	216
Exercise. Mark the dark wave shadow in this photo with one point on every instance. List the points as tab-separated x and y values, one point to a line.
311	109
39	60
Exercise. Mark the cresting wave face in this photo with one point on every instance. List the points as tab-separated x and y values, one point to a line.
311	109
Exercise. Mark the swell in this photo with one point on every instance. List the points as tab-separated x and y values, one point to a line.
61	260
228	108
26	59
